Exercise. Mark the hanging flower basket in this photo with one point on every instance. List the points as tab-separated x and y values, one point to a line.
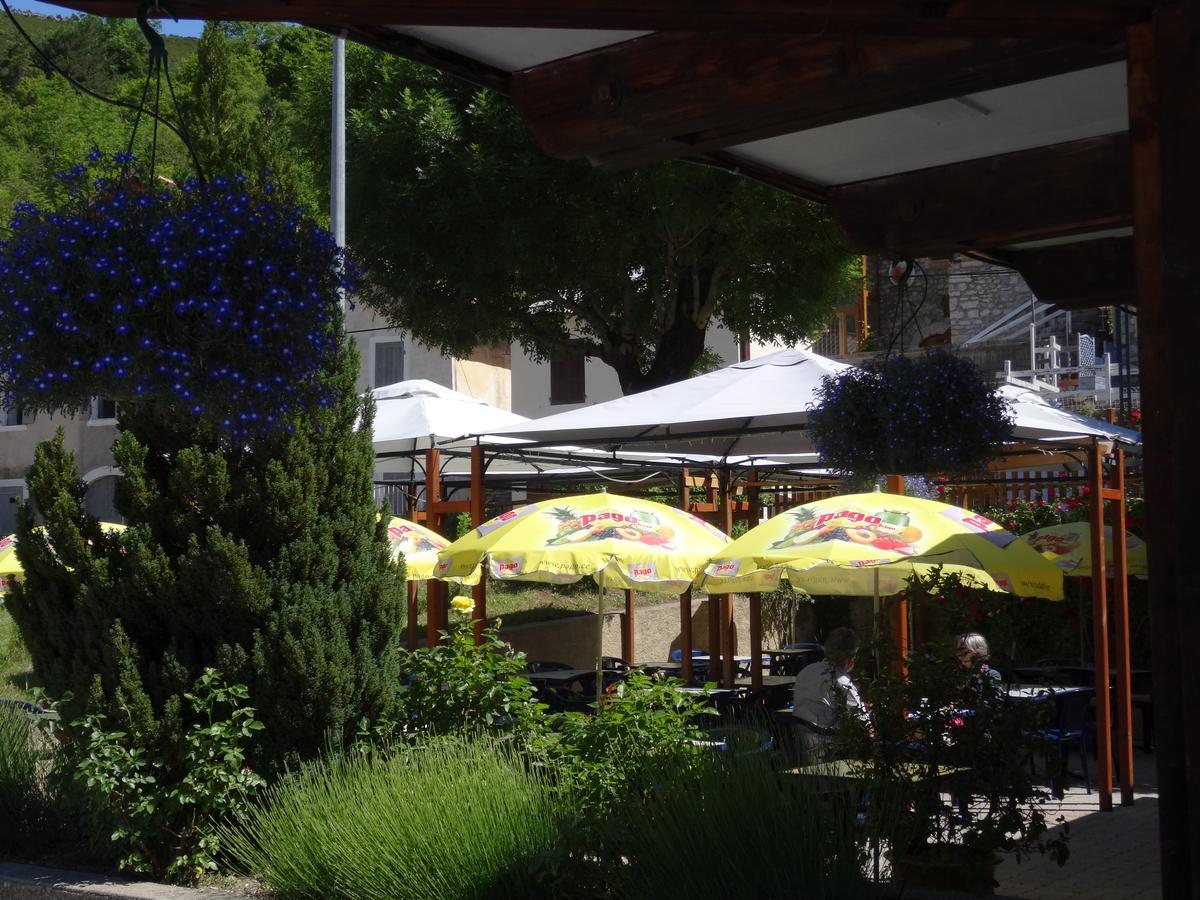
221	300
899	415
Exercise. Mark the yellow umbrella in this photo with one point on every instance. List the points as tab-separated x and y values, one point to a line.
619	541
864	544
10	567
1070	547
419	546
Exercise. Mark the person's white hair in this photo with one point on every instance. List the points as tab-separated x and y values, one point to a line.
972	644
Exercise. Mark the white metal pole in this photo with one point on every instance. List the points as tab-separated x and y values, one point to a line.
337	167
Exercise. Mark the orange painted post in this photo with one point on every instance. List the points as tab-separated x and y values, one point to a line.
411	636
756	648
714	637
1121	637
1100	631
685	635
478	506
627	629
435	591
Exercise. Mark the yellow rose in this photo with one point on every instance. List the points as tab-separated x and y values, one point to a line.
464	605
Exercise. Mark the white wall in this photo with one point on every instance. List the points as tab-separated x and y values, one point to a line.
531	380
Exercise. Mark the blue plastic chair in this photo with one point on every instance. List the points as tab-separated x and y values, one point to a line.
677	655
1066	732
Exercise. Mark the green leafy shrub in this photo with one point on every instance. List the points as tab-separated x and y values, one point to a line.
444	819
265	560
898	414
730	826
458	685
26	800
946	739
641	731
167	810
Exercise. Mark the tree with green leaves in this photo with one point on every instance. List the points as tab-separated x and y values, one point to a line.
472	235
265	560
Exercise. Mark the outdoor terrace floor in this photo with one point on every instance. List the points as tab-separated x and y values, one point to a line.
1114	856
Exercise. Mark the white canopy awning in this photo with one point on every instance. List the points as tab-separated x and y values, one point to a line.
753	407
758	407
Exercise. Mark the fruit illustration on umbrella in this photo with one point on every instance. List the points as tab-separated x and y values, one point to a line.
412	540
641	527
883	530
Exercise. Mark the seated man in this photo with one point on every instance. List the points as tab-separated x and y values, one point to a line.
821	690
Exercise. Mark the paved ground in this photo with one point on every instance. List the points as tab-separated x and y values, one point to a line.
1114	856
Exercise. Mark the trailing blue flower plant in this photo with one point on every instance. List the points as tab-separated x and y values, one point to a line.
220	300
896	415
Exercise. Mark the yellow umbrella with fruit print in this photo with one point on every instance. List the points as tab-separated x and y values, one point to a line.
622	542
863	544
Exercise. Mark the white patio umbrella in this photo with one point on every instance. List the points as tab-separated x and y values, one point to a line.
758	407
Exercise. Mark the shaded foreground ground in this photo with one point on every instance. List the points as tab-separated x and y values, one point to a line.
1114	856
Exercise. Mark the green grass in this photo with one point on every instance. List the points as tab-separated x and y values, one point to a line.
449	819
519	603
16	670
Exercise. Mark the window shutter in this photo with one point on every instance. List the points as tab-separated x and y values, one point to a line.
567	382
389	363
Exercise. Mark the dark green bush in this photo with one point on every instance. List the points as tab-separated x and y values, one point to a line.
264	560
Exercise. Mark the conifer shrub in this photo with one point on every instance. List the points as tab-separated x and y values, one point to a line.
263	558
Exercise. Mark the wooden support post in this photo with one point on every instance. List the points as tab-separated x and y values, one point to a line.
627	629
685	636
685	601
728	642
478	507
411	635
1100	631
1120	582
1164	127
756	643
435	591
714	637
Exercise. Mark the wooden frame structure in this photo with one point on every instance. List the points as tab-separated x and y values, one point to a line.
1088	223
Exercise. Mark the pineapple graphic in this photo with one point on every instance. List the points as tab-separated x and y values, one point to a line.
568	523
805	520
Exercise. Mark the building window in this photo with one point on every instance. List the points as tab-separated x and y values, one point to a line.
104	409
567	375
12	416
389	362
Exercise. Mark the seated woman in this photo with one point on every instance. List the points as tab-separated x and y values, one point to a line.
983	682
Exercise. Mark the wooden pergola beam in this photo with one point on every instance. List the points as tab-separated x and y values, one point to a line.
1012	18
1082	275
1063	189
675	94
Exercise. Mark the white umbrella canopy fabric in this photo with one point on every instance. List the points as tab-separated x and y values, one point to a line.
737	402
418	414
759	407
1037	420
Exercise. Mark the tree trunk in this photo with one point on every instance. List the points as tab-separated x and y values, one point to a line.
678	348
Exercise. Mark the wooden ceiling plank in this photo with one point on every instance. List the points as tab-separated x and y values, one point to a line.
1045	192
676	93
1012	18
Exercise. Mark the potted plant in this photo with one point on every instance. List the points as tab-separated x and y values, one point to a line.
954	753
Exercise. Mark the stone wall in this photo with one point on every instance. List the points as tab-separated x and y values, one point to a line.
978	293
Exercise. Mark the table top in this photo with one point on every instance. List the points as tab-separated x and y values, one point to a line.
857	770
1037	691
768	681
561	675
794	651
